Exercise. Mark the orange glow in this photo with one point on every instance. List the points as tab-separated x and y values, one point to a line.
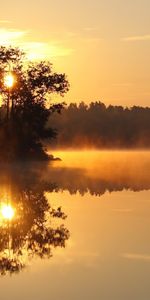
9	80
7	212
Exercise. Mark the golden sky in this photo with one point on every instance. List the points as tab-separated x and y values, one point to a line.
102	45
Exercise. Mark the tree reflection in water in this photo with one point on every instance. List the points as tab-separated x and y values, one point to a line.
34	230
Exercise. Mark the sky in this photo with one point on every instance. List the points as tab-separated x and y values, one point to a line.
103	46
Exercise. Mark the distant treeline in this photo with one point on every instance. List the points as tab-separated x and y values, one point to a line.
98	126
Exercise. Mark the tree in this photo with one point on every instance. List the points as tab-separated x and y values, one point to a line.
37	227
26	104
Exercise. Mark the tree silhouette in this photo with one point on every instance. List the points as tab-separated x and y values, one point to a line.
36	227
26	105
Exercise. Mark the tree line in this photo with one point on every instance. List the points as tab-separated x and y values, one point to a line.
99	126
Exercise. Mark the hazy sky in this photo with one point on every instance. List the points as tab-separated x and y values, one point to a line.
102	45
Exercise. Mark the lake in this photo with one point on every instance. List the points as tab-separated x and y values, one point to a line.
80	229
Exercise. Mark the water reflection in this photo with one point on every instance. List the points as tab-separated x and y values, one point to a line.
28	225
100	172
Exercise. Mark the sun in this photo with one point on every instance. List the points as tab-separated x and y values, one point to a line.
7	211
9	80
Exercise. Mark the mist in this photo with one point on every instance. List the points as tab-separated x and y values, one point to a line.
100	127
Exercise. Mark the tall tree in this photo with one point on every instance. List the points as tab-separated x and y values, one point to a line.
26	90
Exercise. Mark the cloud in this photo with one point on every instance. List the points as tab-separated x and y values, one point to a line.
135	256
136	38
10	36
35	50
40	51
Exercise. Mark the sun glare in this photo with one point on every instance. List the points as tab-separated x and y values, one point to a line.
9	80
7	211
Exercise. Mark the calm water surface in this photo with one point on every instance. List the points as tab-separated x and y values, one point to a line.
97	246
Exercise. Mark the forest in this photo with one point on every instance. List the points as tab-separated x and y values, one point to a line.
99	126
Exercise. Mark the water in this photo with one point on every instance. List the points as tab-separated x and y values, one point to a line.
102	250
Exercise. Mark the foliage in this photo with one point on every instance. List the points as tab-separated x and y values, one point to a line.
26	105
98	126
37	227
